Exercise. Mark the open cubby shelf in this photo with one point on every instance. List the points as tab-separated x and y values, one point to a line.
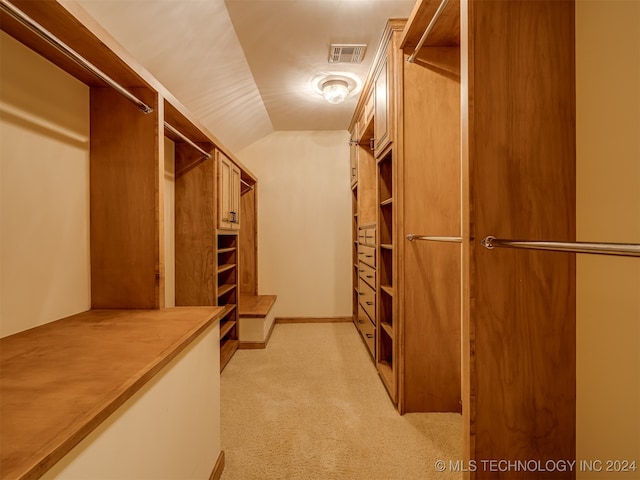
227	296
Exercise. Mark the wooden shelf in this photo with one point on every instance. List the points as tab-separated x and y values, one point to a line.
227	349
387	289
387	328
222	289
225	250
226	327
388	201
224	268
228	308
445	32
386	246
245	188
386	373
256	306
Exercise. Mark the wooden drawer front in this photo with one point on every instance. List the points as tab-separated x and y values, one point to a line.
370	237
367	273
367	255
367	299
367	330
362	236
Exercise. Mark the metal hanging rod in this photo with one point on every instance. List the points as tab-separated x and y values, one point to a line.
621	249
176	132
247	184
412	236
51	39
433	21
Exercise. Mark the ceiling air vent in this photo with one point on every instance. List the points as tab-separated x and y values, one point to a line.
346	53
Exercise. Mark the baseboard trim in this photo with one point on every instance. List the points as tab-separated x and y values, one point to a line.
252	345
218	468
313	319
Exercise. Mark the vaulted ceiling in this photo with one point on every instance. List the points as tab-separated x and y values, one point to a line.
244	68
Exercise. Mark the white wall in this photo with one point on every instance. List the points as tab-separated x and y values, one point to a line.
608	210
304	224
44	191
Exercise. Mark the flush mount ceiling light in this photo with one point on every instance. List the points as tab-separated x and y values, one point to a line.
336	87
335	91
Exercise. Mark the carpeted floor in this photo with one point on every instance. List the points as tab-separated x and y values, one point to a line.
311	407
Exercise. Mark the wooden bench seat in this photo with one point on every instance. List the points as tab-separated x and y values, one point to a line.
256	319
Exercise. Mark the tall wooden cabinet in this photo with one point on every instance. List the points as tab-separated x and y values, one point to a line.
364	226
208	266
228	193
498	87
418	300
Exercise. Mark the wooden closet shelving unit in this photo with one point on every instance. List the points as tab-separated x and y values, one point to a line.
127	264
363	178
500	80
387	348
417	317
127	238
227	294
208	243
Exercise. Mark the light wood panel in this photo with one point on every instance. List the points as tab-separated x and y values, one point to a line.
522	151
446	31
431	346
430	377
195	223
126	201
366	186
249	243
255	305
431	174
382	104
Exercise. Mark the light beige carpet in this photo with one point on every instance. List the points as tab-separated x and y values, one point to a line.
311	406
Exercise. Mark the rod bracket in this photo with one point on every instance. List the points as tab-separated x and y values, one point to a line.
487	242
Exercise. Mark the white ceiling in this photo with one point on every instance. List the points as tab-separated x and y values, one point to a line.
244	67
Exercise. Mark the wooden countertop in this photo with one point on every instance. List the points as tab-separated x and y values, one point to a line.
255	305
59	381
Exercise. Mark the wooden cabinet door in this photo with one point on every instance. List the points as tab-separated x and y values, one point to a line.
353	148
381	125
224	194
234	200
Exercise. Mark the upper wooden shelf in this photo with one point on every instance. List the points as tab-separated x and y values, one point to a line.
222	289
52	396
445	32
224	268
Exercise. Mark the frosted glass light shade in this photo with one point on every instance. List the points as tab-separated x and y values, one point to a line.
335	91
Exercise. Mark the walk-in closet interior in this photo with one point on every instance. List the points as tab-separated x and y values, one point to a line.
470	208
